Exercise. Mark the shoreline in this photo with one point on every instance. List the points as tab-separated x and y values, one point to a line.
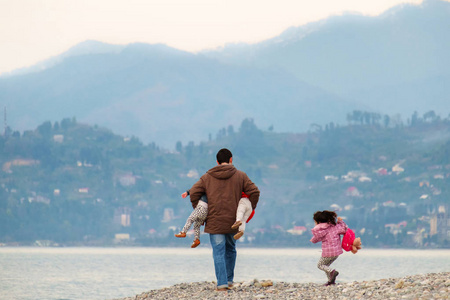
422	286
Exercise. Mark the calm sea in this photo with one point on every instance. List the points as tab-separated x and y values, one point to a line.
108	273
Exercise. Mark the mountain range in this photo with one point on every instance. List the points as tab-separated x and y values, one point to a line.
394	63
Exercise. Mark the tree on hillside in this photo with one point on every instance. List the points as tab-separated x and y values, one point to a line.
415	120
430	116
45	129
386	121
178	147
230	130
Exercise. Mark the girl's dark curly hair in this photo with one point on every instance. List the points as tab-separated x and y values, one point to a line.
325	216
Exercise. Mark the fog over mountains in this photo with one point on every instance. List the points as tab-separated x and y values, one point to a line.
397	62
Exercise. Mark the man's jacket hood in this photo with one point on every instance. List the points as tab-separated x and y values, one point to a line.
222	171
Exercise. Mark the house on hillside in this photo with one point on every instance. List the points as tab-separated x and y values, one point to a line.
418	236
122	216
19	163
168	215
127	179
348	207
297	230
440	224
353	192
397	169
395	228
364	179
335	207
353	175
84	190
58	138
382	171
424	183
39	199
122	238
389	203
193	174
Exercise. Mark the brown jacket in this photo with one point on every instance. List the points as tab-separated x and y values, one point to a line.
223	186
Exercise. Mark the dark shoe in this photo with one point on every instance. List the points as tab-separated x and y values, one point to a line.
181	234
195	243
236	225
238	235
333	276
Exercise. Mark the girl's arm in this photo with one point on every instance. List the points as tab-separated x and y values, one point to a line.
342	226
317	236
315	239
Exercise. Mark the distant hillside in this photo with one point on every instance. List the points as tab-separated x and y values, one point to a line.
397	62
84	48
164	95
73	183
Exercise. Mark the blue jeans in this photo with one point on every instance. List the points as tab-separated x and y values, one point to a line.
224	255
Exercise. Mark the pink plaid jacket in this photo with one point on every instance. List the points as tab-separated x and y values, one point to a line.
329	235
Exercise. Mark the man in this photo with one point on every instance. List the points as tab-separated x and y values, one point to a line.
223	186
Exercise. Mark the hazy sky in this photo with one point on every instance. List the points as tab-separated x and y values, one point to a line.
33	30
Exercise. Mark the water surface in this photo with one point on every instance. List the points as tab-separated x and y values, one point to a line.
107	273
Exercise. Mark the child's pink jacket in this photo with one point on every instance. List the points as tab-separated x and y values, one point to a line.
329	235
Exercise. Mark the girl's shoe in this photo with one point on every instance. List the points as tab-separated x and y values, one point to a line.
195	243
333	276
181	234
236	225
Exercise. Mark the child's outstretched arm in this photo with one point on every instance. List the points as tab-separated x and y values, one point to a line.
317	235
314	239
185	194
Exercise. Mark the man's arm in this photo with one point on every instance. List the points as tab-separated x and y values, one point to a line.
252	190
196	192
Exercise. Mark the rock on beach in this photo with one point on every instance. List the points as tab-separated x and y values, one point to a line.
425	286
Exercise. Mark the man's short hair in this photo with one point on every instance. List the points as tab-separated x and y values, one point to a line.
223	156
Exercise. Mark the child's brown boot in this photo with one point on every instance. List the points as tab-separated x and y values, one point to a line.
238	235
236	225
181	234
195	243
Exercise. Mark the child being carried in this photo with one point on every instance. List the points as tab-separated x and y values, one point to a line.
198	217
243	214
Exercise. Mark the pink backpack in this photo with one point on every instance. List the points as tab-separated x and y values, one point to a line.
347	240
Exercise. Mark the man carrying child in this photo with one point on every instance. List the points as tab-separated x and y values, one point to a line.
223	186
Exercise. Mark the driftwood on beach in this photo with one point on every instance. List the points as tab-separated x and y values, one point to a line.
425	286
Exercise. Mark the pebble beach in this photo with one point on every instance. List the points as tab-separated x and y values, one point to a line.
424	286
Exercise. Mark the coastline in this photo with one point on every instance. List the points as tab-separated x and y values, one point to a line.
422	286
